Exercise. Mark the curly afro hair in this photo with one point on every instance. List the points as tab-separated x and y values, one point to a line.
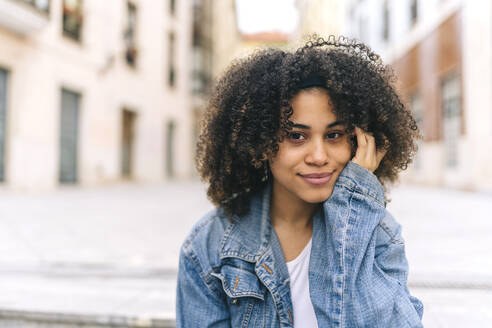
248	114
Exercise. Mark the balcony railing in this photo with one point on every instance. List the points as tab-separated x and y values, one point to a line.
24	16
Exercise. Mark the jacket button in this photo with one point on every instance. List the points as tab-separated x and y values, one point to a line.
235	301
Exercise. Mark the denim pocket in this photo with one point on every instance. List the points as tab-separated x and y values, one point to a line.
245	293
238	282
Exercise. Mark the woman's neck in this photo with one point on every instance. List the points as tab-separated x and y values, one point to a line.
287	209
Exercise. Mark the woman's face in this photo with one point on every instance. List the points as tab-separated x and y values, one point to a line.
314	153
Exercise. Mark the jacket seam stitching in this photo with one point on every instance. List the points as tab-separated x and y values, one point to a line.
196	230
274	293
226	235
353	188
343	257
238	255
247	315
390	234
206	277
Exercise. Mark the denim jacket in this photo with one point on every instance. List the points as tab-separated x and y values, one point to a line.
232	273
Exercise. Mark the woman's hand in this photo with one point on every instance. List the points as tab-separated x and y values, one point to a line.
366	154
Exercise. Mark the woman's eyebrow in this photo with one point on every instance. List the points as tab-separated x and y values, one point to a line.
306	127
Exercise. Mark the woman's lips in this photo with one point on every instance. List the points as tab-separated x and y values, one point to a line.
316	178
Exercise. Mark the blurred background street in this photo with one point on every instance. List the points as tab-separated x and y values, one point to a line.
100	107
113	251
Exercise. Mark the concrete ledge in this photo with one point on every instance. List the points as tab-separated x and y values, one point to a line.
451	284
28	319
454	280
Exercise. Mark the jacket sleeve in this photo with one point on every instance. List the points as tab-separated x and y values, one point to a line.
373	266
198	302
390	257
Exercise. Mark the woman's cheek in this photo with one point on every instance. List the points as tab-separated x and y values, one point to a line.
344	154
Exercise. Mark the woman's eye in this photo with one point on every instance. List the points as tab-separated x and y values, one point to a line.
334	135
296	136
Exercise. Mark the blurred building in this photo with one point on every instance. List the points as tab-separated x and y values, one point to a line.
215	36
251	42
225	34
226	41
94	91
217	41
442	53
202	61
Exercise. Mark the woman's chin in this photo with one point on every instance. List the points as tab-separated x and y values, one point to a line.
317	197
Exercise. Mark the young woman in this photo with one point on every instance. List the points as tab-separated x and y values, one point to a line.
296	148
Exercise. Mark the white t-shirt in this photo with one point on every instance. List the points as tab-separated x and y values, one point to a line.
304	316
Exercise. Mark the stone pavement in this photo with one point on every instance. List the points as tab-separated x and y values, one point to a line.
109	254
97	253
448	244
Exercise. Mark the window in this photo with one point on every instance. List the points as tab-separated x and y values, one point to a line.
197	77
130	35
418	114
171	127
201	50
417	109
3	110
41	5
451	109
72	19
69	123
127	142
414	14
171	64
386	22
172	7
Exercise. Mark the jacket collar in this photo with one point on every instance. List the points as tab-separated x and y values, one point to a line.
248	237
253	239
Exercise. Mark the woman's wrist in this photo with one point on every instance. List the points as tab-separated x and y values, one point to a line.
361	180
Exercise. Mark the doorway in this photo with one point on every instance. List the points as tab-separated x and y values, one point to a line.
69	121
451	106
127	143
170	128
3	110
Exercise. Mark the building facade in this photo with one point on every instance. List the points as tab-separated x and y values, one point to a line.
94	91
441	51
215	37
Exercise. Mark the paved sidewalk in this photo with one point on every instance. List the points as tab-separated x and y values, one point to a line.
103	252
448	245
112	252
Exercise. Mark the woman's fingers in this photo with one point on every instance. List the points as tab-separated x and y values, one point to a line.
371	148
361	152
361	138
367	155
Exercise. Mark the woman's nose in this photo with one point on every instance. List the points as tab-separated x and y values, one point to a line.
317	154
